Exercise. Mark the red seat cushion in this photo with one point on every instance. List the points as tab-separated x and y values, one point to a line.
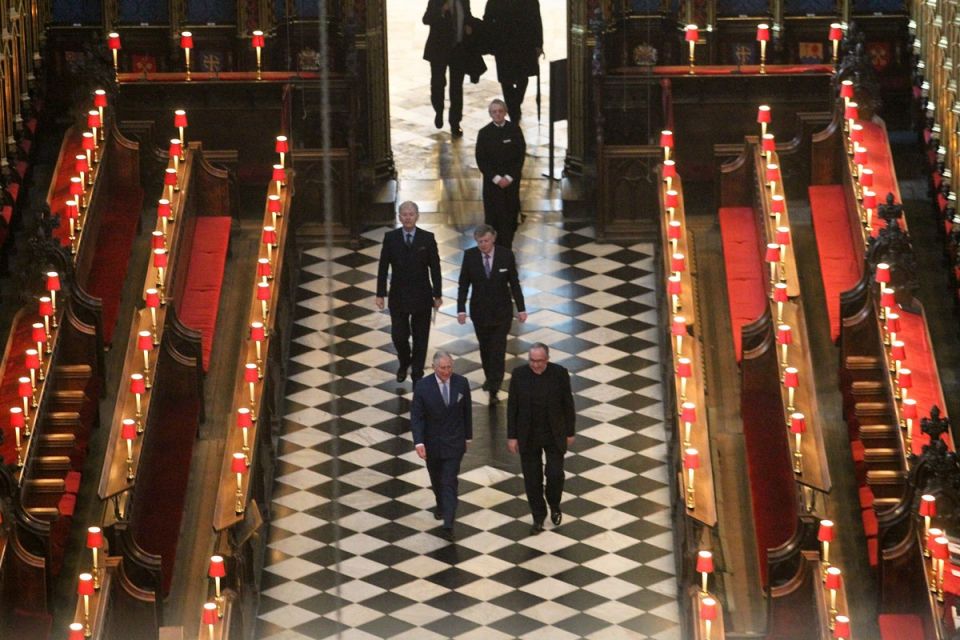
926	380
870	525
72	482
67	504
839	268
201	295
866	498
746	282
900	627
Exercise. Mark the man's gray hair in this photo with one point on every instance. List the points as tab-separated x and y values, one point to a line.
497	101
439	355
408	204
482	230
541	346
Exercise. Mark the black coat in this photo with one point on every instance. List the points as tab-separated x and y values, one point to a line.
560	412
515	34
411	271
501	151
490	302
441	43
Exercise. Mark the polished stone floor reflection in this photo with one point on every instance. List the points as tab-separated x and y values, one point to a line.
353	551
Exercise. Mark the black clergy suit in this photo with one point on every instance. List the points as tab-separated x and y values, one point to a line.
414	284
515	30
491	307
540	416
501	152
446	47
444	430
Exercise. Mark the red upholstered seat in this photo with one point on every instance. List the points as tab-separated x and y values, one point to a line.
866	498
900	627
13	368
870	525
201	295
873	551
881	161
926	380
746	282
67	505
72	482
839	268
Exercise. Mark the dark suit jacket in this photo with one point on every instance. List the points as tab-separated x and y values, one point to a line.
444	430
412	270
442	38
516	33
501	151
490	302
560	412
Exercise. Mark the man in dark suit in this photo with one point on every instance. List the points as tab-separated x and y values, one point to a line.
441	422
540	423
491	271
450	24
410	255
516	37
501	150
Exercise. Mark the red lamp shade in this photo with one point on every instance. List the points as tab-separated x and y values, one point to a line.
239	463
684	368
152	298
768	143
99	98
128	429
45	306
825	533
678	262
160	258
674	285
691	33
798	423
137	384
669	169
671	199
264	270
932	534
157	241
257	333
170	177
243	418
851	112
257	40
53	281
666	138
89	142
145	341
909	408
273	204
773	172
906	378
93	119
180	118
80	164
250	373
175	147
783	236
85	585
883	272
704	562
773	253
76	631
76	187
37	333
833	580
866	177
777	204
688	412
791	378
217	568
763	32
209	615
282	146
893	322
691	459
708	609
784	334
780	292
263	291
846	89
94	538
679	326
928	505
856	133
763	114
279	175
163	208
269	235
31	359
860	156
16	417
113	41
674	230
72	210
186	40
887	298
869	199
841	628
836	31
898	350
939	550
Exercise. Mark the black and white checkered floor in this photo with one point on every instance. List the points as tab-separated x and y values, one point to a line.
353	550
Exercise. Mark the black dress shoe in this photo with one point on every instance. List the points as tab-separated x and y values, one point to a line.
456	131
556	516
438	120
447	533
437	515
494	400
401	374
536	528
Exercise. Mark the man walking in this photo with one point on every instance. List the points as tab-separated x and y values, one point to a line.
410	255
441	422
501	150
540	424
450	24
491	272
516	31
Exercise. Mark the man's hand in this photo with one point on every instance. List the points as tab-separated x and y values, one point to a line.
421	451
379	302
513	446
437	302
570	440
522	316
462	318
540	52
504	182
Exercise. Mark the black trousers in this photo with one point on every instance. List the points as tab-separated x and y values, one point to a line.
444	479
533	473
402	326
501	208
492	339
513	93
438	81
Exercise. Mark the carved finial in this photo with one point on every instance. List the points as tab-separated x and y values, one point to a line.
935	426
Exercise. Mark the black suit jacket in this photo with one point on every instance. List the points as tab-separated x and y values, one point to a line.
411	271
560	412
442	38
442	429
490	302
516	33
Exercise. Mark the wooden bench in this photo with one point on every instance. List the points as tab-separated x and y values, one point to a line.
746	282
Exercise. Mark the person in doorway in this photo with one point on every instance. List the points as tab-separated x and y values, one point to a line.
540	425
409	254
450	25
441	422
489	274
515	31
501	150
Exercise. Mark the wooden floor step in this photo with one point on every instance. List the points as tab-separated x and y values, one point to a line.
859	363
880	435
885	477
52	463
869	389
884	504
45	485
44	513
68	399
882	455
72	376
62	420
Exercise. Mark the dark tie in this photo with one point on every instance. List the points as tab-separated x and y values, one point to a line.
486	263
446	394
409	237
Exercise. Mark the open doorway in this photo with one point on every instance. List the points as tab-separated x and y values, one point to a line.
438	171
